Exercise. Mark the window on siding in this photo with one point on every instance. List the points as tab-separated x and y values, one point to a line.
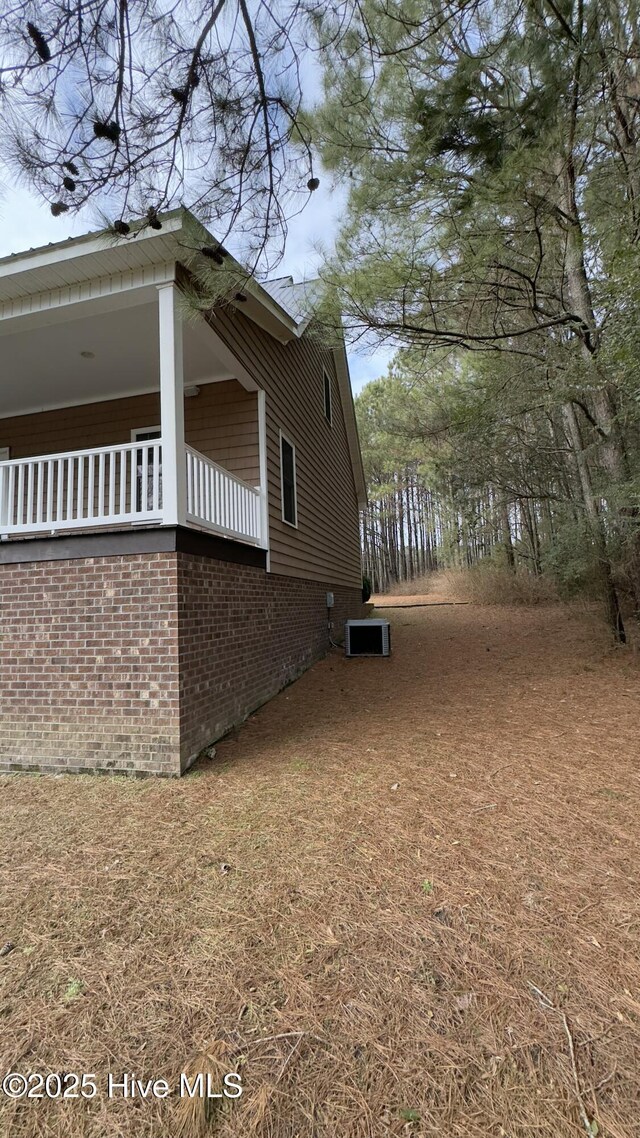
288	481
327	395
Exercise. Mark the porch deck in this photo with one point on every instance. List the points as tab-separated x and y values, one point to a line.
121	486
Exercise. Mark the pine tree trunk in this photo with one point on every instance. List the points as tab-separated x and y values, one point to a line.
507	541
614	615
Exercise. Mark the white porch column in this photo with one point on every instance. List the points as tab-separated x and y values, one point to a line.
174	463
264	485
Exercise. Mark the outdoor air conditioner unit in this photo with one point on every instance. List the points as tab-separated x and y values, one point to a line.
367	638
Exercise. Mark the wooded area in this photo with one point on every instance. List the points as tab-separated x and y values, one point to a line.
460	491
409	530
492	235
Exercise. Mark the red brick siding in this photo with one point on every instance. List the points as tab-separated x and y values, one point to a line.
244	635
89	664
137	662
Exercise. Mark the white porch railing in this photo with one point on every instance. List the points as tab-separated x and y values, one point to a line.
121	485
84	488
221	502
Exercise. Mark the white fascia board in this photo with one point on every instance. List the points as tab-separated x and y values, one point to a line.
90	243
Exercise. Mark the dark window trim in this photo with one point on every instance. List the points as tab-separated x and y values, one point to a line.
293	524
327	392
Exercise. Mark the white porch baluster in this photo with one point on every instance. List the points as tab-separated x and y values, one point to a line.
58	492
218	501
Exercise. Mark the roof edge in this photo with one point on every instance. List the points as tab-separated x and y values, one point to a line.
351	424
262	308
84	245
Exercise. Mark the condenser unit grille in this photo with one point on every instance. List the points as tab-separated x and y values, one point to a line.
367	638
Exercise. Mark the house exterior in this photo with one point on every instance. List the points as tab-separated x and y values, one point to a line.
178	494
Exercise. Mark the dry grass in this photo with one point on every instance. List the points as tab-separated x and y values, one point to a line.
489	584
486	583
455	957
416	586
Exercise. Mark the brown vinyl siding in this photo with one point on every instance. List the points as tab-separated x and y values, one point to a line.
325	546
221	422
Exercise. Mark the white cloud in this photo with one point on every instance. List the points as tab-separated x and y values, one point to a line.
26	223
310	233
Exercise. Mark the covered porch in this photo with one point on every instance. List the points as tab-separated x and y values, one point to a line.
123	486
120	409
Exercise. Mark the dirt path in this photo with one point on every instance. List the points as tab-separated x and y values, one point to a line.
418	847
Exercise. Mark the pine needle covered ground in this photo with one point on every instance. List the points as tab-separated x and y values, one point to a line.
402	900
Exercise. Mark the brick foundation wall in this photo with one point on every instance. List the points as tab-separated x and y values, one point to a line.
136	662
244	635
89	664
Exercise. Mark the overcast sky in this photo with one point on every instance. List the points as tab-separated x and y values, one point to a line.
26	223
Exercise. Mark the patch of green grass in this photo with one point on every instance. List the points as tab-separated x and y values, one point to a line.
408	1114
427	886
299	765
73	990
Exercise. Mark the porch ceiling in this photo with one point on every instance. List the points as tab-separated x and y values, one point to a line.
42	365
